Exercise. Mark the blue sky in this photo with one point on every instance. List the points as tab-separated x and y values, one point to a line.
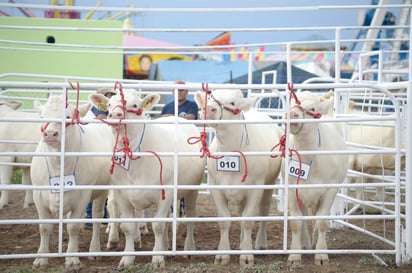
344	17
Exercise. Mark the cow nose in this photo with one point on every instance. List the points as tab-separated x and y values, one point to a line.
116	115
210	109
50	134
294	115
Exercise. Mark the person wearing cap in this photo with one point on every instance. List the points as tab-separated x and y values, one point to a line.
186	108
101	112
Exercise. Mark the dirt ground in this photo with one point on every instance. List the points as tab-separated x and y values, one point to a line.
24	238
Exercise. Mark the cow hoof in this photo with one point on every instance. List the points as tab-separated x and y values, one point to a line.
294	260
246	260
126	261
222	259
41	263
94	258
112	245
321	259
158	262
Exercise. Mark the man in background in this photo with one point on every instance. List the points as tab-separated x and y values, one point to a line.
186	108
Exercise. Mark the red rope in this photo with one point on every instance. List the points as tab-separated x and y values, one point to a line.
282	146
204	149
245	162
202	138
161	172
127	151
76	114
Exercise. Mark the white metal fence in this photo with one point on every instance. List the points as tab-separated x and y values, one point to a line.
386	100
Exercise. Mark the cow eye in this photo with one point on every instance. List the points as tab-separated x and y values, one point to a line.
68	117
232	103
134	105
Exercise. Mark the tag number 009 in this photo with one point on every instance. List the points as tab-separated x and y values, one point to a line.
296	171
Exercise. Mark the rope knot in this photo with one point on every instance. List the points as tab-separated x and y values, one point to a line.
205	88
282	146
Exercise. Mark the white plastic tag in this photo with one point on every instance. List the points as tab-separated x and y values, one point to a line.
122	161
228	164
296	170
68	181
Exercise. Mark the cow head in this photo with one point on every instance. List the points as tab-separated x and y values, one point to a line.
55	108
307	106
13	104
128	104
223	104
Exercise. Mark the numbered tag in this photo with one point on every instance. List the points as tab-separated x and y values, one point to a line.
68	181
122	161
228	164
294	169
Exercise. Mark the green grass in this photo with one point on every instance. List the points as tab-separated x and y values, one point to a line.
16	177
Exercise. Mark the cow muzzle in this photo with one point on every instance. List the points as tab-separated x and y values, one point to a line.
51	136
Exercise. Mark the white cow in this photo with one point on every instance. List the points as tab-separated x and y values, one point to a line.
313	169
113	227
78	170
229	104
148	170
24	137
380	134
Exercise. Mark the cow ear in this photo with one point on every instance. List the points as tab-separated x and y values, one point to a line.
14	104
327	95
98	99
84	108
326	104
150	100
38	106
199	97
247	103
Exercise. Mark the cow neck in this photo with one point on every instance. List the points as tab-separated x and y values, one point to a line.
227	141
55	160
301	143
135	136
139	143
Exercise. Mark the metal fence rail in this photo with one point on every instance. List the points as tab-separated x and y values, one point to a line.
371	88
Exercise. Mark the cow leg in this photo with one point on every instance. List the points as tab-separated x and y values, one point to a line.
73	264
222	211
45	231
97	212
322	226
26	180
138	235
160	232
250	209
5	178
128	229
264	207
190	208
143	225
112	228
295	228
359	190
